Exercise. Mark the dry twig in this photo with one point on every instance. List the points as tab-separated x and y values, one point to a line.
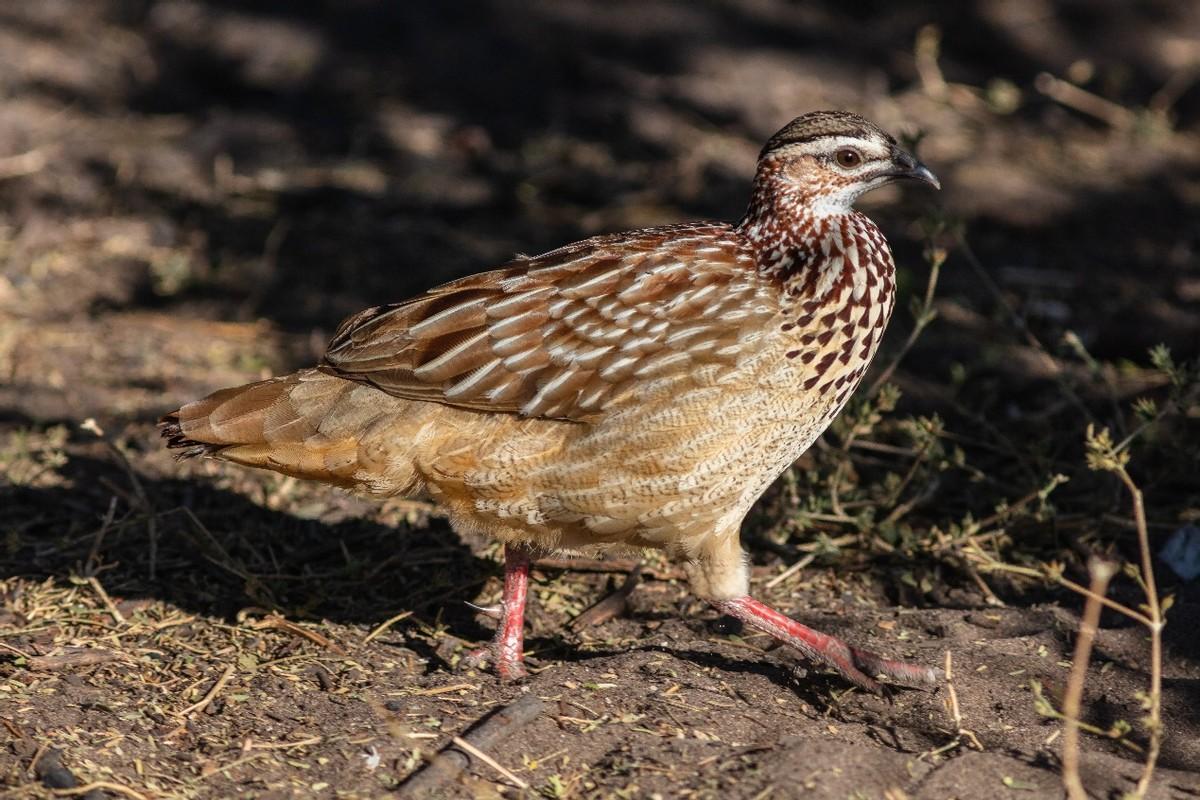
72	657
139	491
1104	455
1085	102
276	622
790	571
103	786
611	605
1101	572
491	762
383	626
952	707
430	781
22	164
117	616
211	694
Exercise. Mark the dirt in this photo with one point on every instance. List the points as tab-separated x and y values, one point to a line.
192	195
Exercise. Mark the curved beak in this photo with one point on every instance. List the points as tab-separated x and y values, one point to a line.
905	166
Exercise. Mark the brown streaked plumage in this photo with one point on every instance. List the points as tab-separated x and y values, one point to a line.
637	389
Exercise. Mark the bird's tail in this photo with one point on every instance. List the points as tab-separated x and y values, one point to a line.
305	424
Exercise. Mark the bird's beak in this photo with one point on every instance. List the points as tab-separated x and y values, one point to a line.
905	166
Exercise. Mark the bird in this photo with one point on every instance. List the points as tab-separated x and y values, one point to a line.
630	390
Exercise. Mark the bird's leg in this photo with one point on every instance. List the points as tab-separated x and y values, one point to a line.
860	667
506	652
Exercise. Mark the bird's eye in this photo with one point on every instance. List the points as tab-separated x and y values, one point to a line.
848	157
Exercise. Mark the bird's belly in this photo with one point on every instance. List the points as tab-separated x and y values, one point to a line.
670	474
667	472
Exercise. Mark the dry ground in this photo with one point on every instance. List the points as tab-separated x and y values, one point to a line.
192	194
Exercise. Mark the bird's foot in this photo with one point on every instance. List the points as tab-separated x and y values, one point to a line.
860	667
505	652
506	666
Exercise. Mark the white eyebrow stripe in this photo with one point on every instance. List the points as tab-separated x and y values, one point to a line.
824	144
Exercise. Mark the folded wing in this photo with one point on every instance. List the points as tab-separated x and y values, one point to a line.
568	334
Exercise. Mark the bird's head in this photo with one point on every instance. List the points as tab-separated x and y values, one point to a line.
826	160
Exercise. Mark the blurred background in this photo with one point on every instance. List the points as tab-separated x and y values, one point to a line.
194	192
167	165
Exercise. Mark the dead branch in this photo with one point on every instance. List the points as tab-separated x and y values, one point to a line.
610	606
72	657
431	780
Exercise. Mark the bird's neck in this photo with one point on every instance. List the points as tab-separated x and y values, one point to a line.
815	251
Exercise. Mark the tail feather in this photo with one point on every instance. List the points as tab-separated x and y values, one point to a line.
172	430
304	424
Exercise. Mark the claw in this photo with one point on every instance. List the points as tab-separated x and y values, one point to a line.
495	612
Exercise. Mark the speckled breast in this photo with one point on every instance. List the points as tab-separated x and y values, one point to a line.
841	297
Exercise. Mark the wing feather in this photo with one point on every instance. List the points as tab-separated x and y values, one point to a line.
568	334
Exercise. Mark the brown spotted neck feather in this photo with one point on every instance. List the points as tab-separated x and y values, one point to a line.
814	257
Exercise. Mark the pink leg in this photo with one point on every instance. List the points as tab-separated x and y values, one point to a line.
506	652
857	666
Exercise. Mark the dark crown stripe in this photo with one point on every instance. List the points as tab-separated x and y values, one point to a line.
824	124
